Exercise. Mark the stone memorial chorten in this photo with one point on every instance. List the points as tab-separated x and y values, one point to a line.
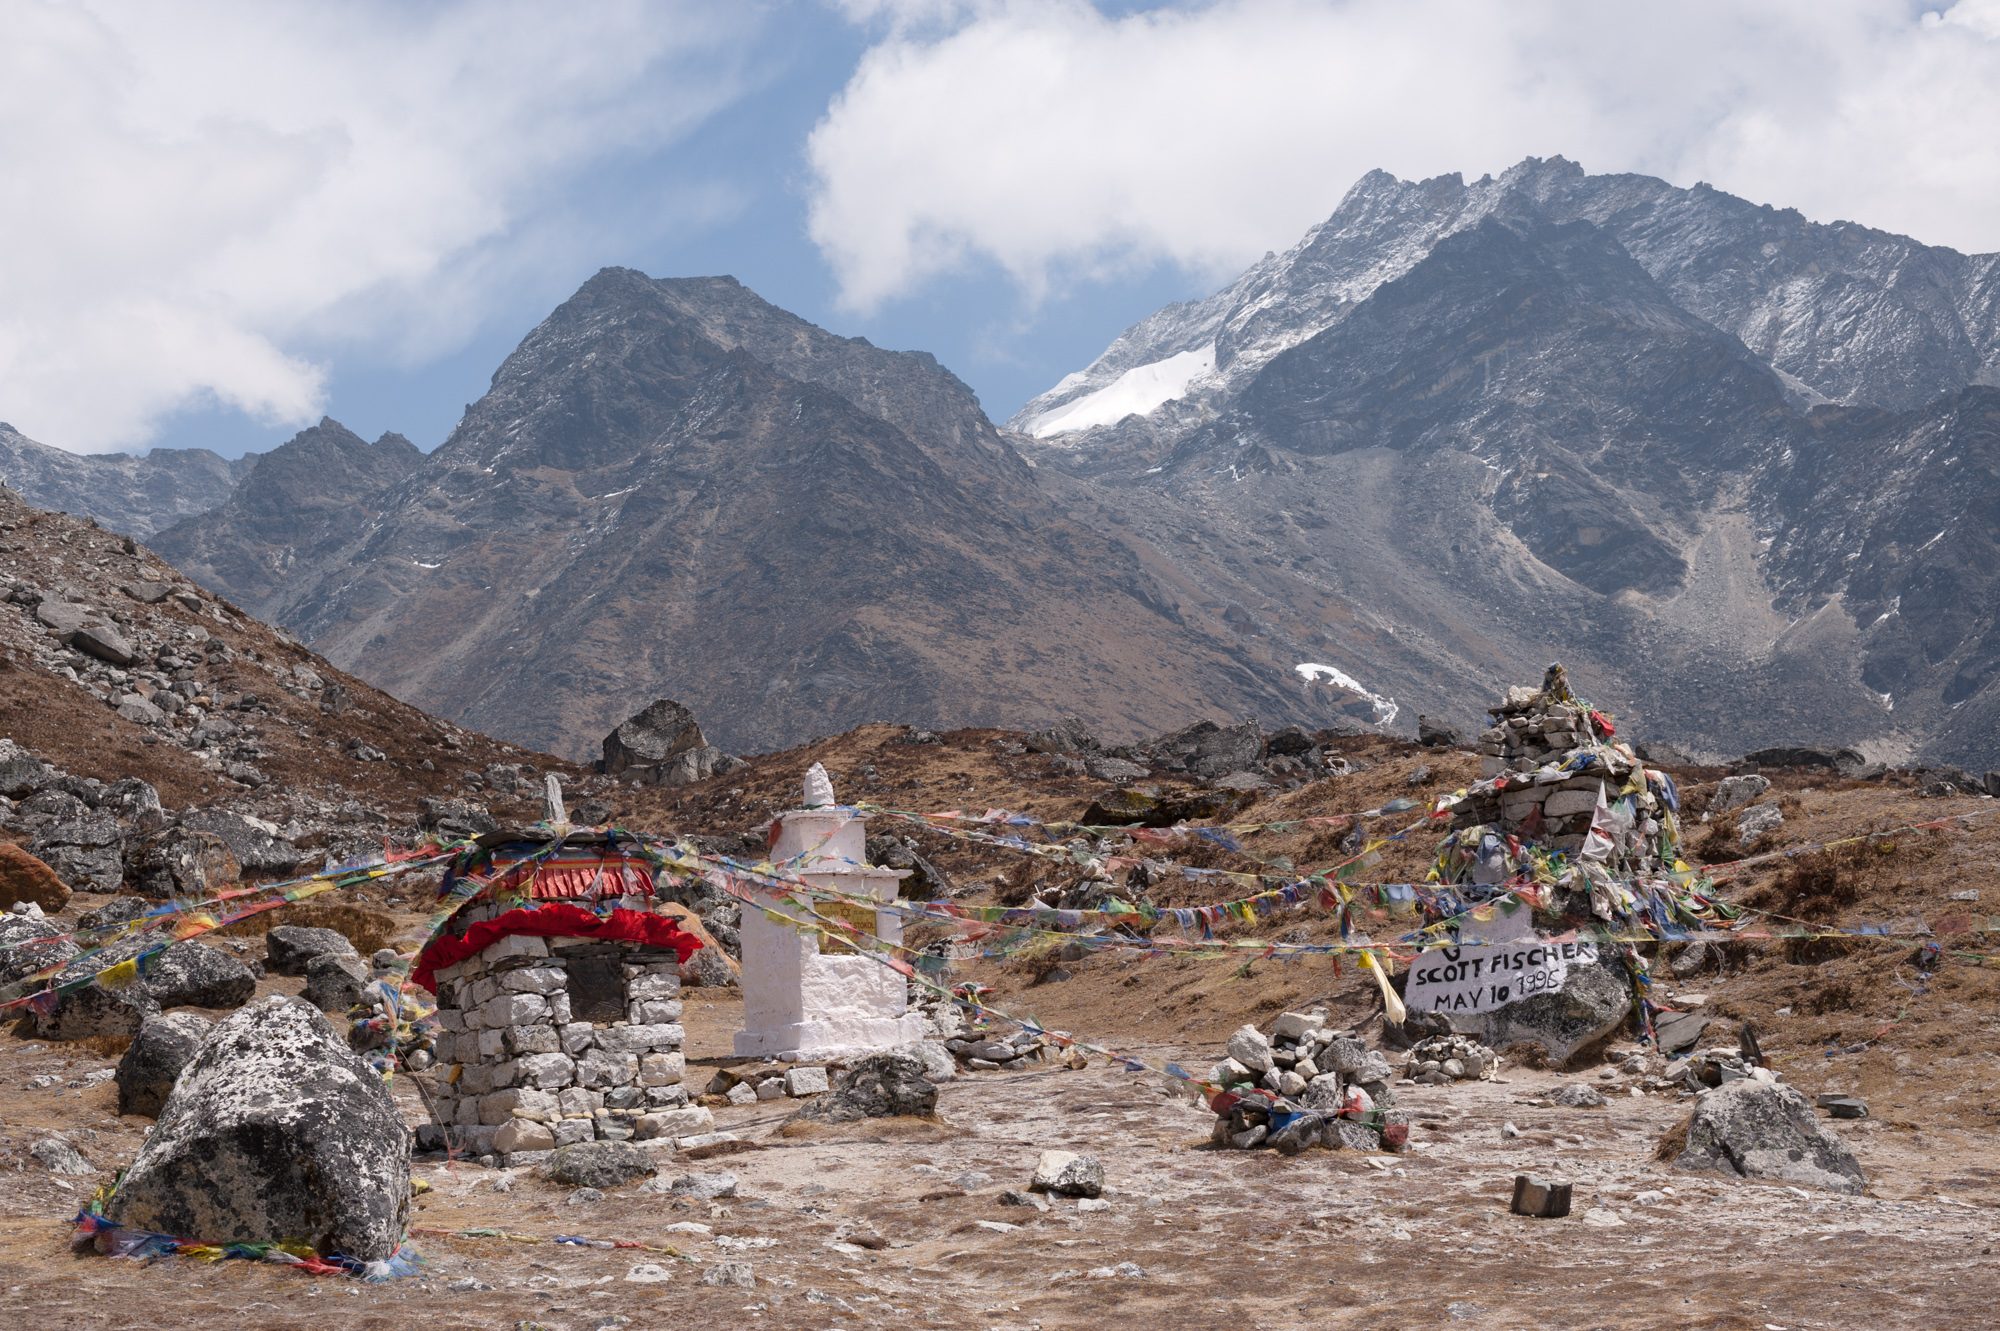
806	995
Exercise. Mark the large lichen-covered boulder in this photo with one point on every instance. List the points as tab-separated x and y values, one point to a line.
1564	1026
1758	1129
274	1131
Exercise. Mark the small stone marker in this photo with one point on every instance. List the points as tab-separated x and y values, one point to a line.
1844	1106
1539	1198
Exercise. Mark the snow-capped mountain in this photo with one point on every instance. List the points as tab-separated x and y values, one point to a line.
1713	454
1844	313
1739	471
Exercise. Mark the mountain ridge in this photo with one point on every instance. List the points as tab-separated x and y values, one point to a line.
1456	432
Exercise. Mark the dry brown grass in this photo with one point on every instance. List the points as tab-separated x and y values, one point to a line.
368	930
104	1046
902	1128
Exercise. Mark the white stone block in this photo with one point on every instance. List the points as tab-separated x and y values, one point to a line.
559	1012
600	1069
1563	803
652	985
479	992
661	1069
520	1102
742	1093
639	1039
570	1131
806	1081
674	1123
575	1102
1293	1026
546	1071
577	1036
492	1044
533	980
522	1134
701	1139
476	1079
450	1019
515	1010
516	945
532	1040
652	1011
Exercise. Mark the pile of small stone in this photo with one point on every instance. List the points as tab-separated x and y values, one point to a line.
1304	1084
1716	1066
993	1051
1560	760
1447	1058
766	1081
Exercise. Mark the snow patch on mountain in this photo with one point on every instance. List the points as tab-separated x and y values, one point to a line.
1314	671
1139	391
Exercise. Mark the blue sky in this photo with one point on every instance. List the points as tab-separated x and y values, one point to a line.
976	321
226	218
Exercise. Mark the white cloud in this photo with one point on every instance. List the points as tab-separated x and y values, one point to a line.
193	191
1058	142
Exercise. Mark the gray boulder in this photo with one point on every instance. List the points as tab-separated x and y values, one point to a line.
1437	735
91	1009
939	1065
879	1086
153	1062
290	948
1734	792
87	852
663	746
275	1130
21	772
63	618
1758	1129
599	1164
29	943
1757	822
334	981
196	975
455	818
1068	1174
105	643
1208	750
253	847
1593	1004
183	862
59	1157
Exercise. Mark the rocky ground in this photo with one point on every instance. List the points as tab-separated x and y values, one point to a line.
904	1223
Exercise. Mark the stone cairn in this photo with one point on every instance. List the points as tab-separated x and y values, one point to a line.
1303	1064
1558	783
532	1077
1448	1058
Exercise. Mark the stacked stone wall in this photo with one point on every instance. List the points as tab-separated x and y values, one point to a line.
523	1074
